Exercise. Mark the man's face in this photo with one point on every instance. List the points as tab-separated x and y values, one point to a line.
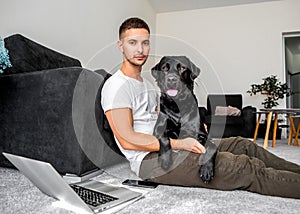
135	45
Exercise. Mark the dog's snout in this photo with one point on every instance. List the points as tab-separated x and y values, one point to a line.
172	79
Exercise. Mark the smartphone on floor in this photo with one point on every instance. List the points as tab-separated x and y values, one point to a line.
139	183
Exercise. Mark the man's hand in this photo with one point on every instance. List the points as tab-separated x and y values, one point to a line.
188	144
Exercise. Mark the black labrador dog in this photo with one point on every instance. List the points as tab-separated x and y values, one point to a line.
179	115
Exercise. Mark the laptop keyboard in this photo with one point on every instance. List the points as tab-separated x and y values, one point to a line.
92	197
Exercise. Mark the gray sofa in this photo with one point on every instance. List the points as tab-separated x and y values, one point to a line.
225	125
50	110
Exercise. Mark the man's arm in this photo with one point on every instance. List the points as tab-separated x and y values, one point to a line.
121	123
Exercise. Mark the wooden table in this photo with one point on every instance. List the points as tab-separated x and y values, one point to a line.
258	123
296	141
269	112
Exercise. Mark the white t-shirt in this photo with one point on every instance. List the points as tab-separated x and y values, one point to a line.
121	91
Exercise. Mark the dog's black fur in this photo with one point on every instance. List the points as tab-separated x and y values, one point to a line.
179	115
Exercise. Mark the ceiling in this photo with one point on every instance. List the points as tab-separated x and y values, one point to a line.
162	6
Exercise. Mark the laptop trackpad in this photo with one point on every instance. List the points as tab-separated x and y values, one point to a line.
98	186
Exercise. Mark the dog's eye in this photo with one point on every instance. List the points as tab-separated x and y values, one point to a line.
165	67
181	68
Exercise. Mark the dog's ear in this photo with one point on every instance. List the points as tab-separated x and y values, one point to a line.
195	71
156	69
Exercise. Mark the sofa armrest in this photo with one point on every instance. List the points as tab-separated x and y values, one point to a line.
249	116
36	114
203	112
248	112
54	119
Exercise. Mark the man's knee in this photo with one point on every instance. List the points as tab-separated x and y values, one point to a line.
238	146
240	164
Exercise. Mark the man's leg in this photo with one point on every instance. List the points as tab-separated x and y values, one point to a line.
231	172
239	145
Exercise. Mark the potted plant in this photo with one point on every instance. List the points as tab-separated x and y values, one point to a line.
273	89
4	58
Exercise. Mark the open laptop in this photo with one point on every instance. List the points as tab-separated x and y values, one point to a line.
49	181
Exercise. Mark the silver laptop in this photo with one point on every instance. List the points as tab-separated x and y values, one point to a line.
49	181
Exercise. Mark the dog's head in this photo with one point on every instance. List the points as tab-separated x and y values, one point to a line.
174	73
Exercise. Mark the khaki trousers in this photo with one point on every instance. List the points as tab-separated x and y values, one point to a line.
240	165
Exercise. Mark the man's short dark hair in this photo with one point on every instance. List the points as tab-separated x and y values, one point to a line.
133	23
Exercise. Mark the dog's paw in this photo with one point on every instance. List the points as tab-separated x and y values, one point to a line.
206	172
165	160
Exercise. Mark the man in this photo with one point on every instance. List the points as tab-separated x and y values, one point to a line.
130	104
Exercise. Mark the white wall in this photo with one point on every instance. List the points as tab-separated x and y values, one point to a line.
85	29
234	46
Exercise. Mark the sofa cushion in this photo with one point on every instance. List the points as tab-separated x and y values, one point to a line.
214	100
227	111
87	118
102	123
27	56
